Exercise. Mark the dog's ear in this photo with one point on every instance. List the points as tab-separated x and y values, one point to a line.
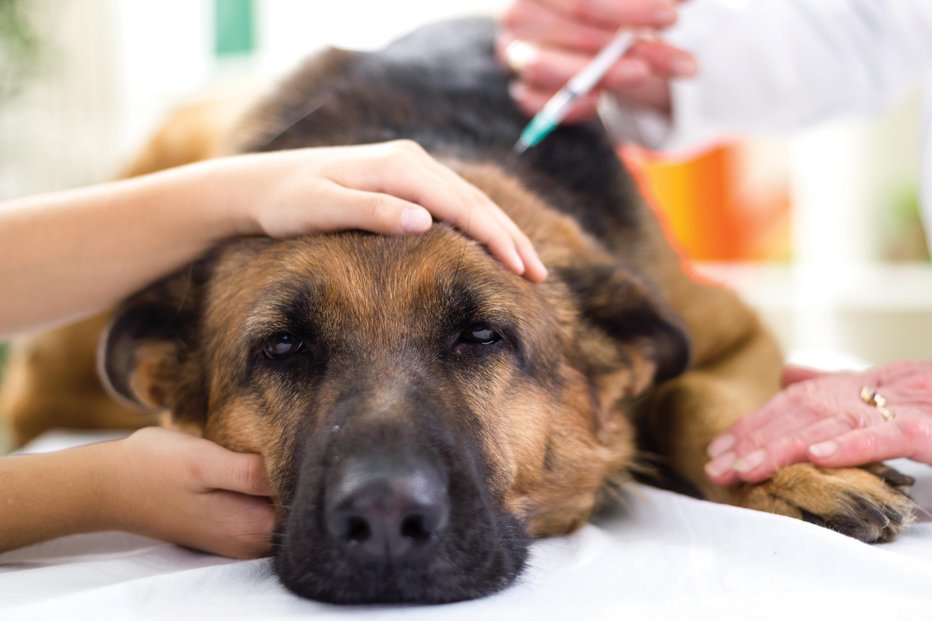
648	337
148	355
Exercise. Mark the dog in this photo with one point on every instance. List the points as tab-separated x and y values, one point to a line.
423	412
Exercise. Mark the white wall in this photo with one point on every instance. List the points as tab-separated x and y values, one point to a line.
115	67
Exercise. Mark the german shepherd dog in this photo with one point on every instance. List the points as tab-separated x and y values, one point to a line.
423	412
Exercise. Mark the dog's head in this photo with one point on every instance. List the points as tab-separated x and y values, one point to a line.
422	411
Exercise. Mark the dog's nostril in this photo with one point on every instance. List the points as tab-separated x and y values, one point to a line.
414	528
357	529
381	516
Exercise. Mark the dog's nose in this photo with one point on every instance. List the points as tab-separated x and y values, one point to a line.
388	514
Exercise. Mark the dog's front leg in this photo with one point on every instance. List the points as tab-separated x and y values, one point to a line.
686	414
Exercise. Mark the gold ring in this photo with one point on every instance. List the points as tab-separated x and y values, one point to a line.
871	397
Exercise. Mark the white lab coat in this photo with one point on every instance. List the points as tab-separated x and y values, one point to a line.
778	65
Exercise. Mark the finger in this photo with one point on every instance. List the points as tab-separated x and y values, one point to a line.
374	211
860	446
235	472
792	374
777	418
748	424
790	448
542	26
252	533
516	240
477	216
404	170
451	198
786	417
632	79
531	101
549	69
239	526
663	59
802	403
643	13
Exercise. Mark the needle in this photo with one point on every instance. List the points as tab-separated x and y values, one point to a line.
557	107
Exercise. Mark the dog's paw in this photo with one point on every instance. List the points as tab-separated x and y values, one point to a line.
867	503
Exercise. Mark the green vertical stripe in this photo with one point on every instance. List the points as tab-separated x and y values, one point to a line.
234	31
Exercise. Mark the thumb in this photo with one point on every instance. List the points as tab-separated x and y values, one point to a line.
236	472
376	212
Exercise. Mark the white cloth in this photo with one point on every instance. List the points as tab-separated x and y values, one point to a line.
778	65
660	556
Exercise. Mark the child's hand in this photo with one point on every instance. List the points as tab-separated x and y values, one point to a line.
93	246
392	187
190	491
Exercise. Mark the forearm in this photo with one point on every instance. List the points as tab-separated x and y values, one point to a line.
55	494
73	253
70	254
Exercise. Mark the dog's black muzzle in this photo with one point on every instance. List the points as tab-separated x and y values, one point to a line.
391	504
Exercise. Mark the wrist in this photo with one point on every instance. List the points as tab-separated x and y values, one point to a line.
100	499
226	187
211	197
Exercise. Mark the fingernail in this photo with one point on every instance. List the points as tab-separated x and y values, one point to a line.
722	444
683	66
823	449
415	219
519	54
720	465
542	269
750	461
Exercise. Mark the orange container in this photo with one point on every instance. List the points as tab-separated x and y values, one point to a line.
708	210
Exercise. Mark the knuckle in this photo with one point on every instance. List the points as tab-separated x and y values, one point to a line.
580	9
380	209
864	443
749	442
254	472
786	449
193	470
855	419
376	204
408	147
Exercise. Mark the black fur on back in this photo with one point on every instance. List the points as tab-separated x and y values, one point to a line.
443	87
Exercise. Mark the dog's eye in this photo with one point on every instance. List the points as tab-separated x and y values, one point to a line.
282	345
479	334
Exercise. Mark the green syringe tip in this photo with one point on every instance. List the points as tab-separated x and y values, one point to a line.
535	131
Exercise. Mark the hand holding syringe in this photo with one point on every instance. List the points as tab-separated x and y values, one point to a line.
556	109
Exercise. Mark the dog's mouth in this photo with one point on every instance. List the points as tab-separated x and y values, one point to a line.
386	524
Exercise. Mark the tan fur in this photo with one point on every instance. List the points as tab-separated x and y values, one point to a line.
50	381
550	454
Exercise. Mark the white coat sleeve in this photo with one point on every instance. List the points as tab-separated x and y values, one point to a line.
774	65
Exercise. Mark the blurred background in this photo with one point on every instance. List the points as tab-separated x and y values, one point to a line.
819	230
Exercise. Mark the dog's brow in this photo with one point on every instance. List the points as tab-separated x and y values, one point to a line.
468	304
278	308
